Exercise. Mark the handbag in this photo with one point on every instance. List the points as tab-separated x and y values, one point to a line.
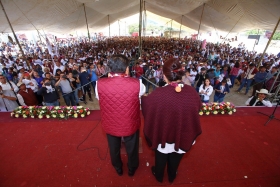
202	97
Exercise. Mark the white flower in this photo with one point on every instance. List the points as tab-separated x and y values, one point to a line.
79	107
228	103
24	116
16	115
230	113
12	114
57	107
44	107
201	113
222	112
217	107
75	115
82	115
207	113
48	116
88	113
32	116
40	117
215	112
61	115
54	116
234	110
68	107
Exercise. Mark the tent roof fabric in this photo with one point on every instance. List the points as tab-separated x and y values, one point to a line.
65	16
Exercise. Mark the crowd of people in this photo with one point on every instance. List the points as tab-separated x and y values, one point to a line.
69	69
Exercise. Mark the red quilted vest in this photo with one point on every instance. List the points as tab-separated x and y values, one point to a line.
119	105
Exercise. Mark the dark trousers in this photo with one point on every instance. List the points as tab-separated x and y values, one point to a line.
69	98
172	160
86	90
131	146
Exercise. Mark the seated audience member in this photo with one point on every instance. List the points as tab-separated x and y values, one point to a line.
259	100
66	89
221	90
26	96
50	94
7	100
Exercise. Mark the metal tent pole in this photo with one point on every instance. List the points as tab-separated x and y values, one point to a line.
23	55
268	42
200	20
109	26
140	28
86	21
119	28
181	27
170	29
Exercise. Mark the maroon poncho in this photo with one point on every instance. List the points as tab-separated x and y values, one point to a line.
171	117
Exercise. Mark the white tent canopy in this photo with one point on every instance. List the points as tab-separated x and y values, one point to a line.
65	16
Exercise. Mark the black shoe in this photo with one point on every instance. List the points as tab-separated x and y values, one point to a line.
131	172
154	173
78	104
119	171
171	180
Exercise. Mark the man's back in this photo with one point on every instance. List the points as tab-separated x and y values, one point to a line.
119	105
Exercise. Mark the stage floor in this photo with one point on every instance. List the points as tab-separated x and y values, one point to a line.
235	150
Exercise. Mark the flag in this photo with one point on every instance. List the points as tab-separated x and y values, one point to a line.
203	45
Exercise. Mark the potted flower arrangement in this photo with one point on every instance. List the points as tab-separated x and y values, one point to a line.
217	108
57	112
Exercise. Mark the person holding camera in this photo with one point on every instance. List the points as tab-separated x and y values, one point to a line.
66	89
50	94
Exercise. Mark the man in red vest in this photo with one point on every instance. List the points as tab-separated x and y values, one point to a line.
120	112
26	96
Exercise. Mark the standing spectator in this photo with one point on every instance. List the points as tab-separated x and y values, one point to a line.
200	77
120	112
249	74
205	91
221	90
100	71
171	121
7	100
7	85
233	73
260	78
138	70
66	89
85	83
93	76
149	74
26	96
75	81
50	94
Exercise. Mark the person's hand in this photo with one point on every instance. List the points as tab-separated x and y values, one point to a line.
3	96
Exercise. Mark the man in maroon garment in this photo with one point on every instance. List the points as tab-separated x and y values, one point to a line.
26	96
119	103
172	124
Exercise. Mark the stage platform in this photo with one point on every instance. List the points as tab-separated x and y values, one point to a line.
236	150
